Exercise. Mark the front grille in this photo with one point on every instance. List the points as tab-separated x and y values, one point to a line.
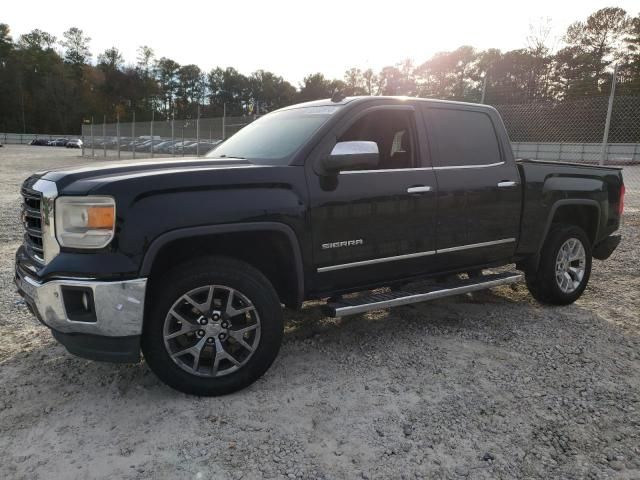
32	221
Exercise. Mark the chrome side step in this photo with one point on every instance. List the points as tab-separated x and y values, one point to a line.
366	303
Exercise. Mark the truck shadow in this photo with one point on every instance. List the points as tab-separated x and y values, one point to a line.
494	317
453	311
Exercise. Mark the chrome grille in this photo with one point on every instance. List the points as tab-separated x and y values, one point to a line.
32	221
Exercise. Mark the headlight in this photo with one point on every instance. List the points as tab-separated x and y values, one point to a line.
85	222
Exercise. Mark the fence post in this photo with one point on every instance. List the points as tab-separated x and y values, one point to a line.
133	135
198	132
93	150
82	139
182	139
118	134
151	131
104	136
224	119
607	123
173	142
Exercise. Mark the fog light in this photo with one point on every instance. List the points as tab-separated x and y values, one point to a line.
79	304
85	301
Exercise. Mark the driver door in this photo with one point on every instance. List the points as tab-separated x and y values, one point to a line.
376	224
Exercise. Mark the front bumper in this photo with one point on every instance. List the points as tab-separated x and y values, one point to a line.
119	313
119	306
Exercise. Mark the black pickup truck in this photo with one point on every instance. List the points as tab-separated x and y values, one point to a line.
358	200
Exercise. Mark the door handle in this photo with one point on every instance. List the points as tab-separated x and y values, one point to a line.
419	189
507	183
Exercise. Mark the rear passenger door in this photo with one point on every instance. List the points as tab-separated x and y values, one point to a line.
478	187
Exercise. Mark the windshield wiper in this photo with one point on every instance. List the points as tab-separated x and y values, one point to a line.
224	155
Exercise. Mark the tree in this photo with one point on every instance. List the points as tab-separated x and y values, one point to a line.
145	59
370	81
592	46
76	45
450	75
191	90
36	40
267	91
167	77
111	59
355	83
629	67
228	87
316	87
46	90
8	74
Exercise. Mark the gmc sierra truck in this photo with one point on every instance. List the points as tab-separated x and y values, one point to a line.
357	200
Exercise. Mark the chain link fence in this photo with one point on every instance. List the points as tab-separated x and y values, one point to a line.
602	130
165	138
29	138
591	130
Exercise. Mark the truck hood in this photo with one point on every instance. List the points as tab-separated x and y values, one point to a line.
94	174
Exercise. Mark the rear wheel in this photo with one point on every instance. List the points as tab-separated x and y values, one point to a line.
214	327
565	266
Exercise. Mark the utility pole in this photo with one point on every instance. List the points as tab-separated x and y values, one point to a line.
607	123
484	88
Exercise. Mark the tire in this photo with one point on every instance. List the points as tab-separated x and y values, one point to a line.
179	306
554	288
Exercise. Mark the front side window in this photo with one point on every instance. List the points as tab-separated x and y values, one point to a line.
273	138
393	132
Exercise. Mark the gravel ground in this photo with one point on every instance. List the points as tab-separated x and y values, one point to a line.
487	385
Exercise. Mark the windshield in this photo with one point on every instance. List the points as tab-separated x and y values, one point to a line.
274	137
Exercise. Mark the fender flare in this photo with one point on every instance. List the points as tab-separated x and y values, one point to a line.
190	232
552	212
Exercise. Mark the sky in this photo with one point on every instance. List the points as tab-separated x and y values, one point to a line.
295	38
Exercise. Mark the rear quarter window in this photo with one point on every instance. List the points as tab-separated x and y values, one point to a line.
463	138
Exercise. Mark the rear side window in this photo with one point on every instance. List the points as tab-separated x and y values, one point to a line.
463	137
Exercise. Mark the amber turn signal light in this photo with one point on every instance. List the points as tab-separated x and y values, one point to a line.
101	217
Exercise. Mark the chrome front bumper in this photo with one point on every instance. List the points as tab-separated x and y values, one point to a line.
119	306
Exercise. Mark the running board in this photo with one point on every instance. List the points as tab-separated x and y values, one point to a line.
377	301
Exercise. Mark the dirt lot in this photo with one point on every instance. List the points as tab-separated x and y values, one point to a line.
489	385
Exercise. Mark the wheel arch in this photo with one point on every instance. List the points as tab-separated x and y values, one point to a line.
584	213
279	257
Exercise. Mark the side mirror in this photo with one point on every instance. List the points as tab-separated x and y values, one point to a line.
352	155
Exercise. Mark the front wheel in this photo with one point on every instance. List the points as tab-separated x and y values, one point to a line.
565	266
215	326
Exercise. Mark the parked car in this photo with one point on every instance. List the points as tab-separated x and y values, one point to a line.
183	147
59	142
39	141
74	143
190	260
147	145
203	149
